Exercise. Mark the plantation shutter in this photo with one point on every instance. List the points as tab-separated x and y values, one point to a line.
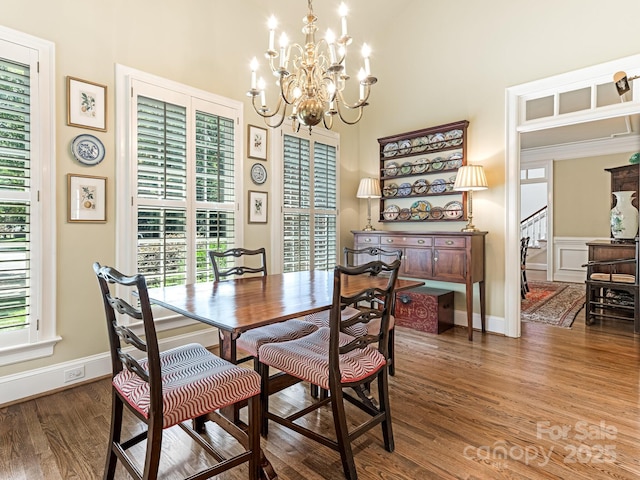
215	189
162	177
185	192
310	205
15	196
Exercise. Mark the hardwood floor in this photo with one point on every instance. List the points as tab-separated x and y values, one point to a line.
556	403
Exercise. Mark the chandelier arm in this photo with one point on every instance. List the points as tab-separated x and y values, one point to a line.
350	122
358	104
263	113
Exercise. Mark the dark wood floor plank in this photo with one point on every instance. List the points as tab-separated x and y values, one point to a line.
462	410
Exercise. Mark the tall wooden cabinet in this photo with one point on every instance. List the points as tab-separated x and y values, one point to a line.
456	257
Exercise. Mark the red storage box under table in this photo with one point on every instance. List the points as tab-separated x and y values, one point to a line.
425	309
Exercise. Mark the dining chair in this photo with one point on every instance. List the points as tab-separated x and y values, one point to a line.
338	362
169	388
224	266
524	284
613	289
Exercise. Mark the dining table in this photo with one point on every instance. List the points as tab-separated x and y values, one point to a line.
237	305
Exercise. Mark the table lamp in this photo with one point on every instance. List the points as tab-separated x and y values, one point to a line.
369	188
469	179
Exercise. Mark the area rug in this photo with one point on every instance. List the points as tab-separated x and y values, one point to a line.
553	303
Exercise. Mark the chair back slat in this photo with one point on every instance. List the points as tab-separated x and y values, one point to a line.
221	260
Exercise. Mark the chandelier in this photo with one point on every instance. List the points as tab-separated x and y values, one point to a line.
311	79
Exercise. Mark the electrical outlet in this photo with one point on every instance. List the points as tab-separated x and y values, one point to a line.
74	374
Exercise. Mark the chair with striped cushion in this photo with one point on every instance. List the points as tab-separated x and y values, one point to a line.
170	388
339	362
224	265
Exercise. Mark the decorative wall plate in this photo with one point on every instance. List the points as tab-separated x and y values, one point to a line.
390	190
258	174
404	190
87	149
391	212
404	147
420	210
390	149
453	210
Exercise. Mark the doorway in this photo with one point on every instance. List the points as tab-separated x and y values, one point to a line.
550	93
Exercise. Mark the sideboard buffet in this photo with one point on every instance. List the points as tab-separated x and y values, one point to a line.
455	257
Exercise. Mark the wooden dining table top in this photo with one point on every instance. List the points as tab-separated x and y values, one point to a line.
244	303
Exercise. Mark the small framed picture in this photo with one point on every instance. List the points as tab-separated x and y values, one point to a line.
257	207
86	197
257	142
86	104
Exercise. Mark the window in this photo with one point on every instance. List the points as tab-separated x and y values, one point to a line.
27	200
310	202
185	148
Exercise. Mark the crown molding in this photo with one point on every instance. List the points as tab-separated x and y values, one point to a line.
591	148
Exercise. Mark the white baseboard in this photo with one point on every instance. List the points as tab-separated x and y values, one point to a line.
493	324
40	381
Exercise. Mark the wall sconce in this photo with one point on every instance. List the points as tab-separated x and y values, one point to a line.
469	179
369	188
622	82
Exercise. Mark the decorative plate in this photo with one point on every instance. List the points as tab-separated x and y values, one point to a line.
454	160
391	170
438	186
453	134
258	174
419	144
405	214
438	163
421	165
390	190
87	149
453	210
436	213
406	168
391	212
420	210
456	141
404	147
404	190
452	180
420	186
437	140
390	149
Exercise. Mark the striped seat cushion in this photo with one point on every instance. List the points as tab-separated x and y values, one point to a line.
308	359
251	340
194	382
321	319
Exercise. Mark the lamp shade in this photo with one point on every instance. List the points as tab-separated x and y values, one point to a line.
369	188
469	178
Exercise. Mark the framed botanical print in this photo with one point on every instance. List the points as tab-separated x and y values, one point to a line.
86	198
86	104
257	207
257	142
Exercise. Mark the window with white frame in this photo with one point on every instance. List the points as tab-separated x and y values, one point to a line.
310	202
27	198
183	151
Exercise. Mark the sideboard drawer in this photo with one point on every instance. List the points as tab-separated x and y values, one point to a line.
453	242
363	240
399	241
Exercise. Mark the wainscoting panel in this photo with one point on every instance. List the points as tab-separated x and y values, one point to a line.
569	254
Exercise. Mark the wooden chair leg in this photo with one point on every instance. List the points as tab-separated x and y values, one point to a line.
383	398
342	434
263	370
152	457
114	436
253	434
392	353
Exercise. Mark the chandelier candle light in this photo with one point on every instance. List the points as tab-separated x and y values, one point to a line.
312	78
469	179
369	188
